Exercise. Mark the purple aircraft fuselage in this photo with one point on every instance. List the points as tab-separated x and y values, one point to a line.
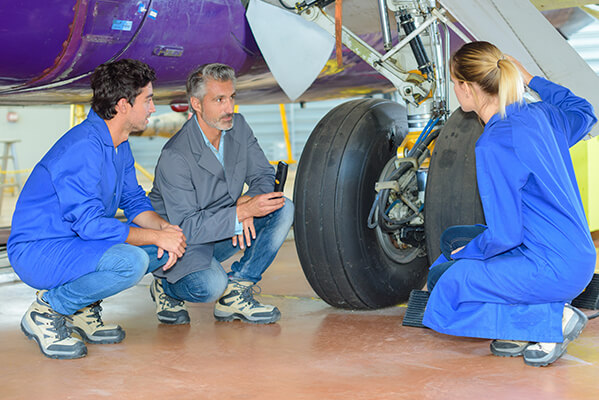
51	47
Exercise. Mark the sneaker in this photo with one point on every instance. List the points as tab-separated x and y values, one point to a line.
508	348
542	354
168	310
237	302
49	330
88	323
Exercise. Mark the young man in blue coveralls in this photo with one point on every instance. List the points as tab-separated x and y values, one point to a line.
65	239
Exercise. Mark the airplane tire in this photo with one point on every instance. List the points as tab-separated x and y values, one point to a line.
334	191
451	190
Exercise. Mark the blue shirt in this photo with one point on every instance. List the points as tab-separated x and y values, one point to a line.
64	217
220	156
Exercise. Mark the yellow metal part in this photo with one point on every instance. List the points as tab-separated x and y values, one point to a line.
409	142
144	172
331	68
285	127
585	156
77	114
545	5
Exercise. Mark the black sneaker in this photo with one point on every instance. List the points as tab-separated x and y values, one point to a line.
542	354
168	310
237	302
508	348
88	323
49	330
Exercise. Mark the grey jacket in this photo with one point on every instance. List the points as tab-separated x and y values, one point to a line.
192	190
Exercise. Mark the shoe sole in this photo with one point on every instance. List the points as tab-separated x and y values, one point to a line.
104	340
230	317
580	325
55	355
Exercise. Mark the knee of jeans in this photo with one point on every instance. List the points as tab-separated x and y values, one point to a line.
127	261
216	289
287	212
211	286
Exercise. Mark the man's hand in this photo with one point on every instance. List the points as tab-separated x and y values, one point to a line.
260	205
249	234
172	240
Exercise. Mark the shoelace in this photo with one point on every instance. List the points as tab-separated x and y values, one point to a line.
59	325
169	301
247	294
95	310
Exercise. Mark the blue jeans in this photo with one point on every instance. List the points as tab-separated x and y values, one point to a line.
452	238
121	267
209	284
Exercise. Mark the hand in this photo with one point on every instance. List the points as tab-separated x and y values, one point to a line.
260	205
456	250
172	240
249	234
243	199
526	76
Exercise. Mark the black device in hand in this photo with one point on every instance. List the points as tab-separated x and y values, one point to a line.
281	176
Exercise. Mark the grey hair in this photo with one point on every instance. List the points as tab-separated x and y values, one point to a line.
196	81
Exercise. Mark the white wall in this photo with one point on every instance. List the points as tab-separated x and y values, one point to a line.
37	128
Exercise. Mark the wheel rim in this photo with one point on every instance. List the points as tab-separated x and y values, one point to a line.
391	245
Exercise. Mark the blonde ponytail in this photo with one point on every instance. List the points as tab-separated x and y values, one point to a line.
511	85
485	64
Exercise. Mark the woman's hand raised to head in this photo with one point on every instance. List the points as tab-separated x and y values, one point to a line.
526	76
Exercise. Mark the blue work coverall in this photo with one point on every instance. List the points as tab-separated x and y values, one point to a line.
511	281
64	219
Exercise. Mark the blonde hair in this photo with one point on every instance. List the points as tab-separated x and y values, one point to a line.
485	64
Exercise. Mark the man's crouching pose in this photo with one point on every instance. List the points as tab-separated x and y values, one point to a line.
198	185
65	239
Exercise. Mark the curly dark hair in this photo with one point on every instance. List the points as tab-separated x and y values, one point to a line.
115	80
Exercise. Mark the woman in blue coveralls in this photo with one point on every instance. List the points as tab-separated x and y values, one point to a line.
511	280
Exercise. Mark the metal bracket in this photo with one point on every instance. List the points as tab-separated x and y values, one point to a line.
393	185
410	91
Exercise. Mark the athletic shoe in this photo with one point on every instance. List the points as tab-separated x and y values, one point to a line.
508	348
88	323
49	330
542	354
168	310
237	302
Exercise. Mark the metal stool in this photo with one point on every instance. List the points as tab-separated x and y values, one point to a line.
9	153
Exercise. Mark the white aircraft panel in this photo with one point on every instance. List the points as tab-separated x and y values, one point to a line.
519	29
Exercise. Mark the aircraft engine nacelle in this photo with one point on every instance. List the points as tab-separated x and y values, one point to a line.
58	43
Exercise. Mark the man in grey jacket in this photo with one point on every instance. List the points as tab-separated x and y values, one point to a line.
198	185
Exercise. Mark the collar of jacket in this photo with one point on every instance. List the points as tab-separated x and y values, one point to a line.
509	110
206	158
100	125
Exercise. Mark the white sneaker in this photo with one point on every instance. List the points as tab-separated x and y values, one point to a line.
508	348
542	354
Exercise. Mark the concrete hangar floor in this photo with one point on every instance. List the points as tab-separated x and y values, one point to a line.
314	352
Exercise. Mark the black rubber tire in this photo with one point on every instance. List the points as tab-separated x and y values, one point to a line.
451	196
334	191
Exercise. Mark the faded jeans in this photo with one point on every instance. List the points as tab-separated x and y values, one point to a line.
209	284
120	267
